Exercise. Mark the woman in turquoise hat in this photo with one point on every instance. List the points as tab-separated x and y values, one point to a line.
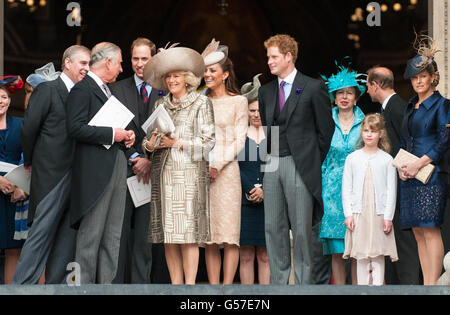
344	88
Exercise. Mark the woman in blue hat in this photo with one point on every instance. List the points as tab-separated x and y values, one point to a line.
425	135
344	88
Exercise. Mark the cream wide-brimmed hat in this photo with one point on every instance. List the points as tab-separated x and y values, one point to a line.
170	60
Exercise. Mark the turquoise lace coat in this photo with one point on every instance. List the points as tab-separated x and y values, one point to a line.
332	226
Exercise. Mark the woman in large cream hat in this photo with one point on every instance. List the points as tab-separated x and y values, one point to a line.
180	182
231	121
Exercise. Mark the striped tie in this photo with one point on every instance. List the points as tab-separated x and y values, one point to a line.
144	94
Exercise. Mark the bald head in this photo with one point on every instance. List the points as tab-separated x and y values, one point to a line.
382	76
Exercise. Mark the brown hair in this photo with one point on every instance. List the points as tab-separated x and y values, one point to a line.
230	82
385	79
141	41
376	122
5	88
285	44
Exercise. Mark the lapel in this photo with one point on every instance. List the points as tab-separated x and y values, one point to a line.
96	89
131	99
154	96
62	90
272	101
294	97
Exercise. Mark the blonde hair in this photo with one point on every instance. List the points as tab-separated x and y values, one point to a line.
375	122
192	81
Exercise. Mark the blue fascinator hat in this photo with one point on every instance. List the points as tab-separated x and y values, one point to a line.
344	78
426	49
43	74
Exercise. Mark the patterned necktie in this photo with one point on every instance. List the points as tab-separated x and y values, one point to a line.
281	96
108	92
144	94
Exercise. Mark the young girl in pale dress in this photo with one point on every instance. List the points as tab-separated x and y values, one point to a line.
369	188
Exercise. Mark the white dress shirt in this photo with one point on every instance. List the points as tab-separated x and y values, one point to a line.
384	180
67	81
100	83
387	100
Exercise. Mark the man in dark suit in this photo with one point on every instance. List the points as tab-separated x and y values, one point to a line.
297	112
99	174
48	153
380	87
135	256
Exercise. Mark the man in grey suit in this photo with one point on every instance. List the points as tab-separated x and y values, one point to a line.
99	174
135	256
48	153
380	86
297	108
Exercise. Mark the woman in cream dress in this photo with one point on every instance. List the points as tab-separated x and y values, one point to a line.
231	124
180	182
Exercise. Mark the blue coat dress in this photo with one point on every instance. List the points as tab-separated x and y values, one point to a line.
10	152
332	228
252	214
424	133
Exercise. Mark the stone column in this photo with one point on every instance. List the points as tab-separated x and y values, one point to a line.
438	28
2	22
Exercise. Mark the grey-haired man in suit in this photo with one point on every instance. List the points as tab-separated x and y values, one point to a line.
135	257
99	175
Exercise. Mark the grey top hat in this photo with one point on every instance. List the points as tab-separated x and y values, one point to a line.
250	89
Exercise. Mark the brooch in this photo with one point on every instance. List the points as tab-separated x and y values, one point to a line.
299	91
160	93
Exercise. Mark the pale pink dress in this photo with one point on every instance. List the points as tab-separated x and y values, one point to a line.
231	123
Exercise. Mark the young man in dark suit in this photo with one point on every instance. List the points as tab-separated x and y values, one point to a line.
135	257
48	154
297	108
99	175
380	86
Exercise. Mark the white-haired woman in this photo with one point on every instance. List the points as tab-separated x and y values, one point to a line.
180	182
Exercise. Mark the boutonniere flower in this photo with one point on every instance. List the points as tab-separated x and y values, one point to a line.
160	93
299	91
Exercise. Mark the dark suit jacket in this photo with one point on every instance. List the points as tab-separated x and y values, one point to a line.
309	132
46	144
393	117
93	163
126	92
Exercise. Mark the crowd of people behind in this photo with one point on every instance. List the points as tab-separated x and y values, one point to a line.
288	174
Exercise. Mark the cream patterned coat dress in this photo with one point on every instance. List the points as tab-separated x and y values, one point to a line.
180	178
231	124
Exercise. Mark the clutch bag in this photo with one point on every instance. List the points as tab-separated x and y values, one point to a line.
404	157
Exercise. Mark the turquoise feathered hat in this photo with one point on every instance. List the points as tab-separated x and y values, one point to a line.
345	78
